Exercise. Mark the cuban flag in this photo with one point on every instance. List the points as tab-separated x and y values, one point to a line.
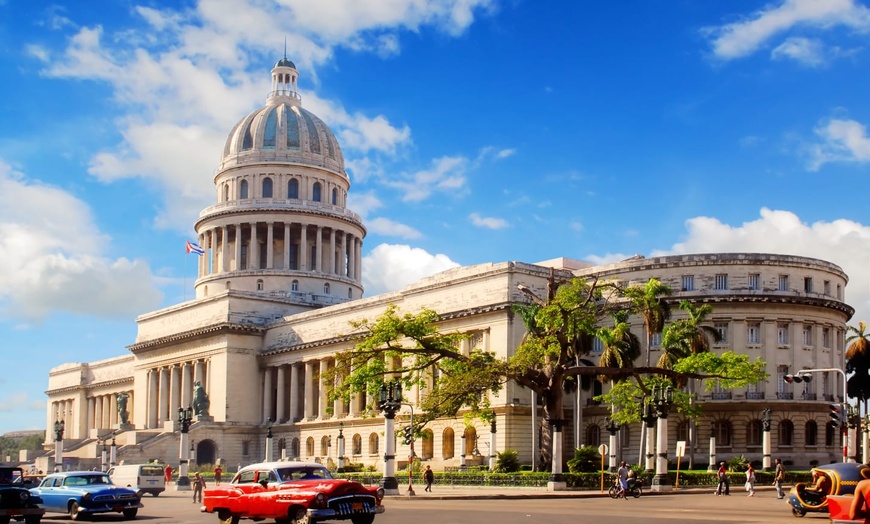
193	247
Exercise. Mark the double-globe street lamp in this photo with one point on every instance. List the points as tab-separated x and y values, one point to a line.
185	417
662	399
390	401
58	444
613	428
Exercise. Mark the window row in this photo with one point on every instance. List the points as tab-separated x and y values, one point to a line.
267	190
754	283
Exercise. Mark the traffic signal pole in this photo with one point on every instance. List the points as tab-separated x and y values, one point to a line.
844	426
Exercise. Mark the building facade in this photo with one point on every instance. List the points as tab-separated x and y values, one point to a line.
280	283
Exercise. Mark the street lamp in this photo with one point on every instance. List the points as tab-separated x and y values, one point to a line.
104	458
185	417
113	453
649	419
766	420
662	399
58	444
390	401
268	446
612	427
340	440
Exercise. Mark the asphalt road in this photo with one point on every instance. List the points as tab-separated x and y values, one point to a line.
178	508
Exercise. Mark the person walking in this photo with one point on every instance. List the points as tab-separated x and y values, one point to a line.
750	480
778	477
167	473
198	484
218	471
724	486
429	477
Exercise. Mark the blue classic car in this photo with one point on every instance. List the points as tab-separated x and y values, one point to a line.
83	493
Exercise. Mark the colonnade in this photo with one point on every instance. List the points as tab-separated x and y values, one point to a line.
171	387
293	246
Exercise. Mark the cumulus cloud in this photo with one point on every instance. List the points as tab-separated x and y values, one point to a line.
446	174
804	50
487	222
842	141
391	267
746	36
386	227
52	257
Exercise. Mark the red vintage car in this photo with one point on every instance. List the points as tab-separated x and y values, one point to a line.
292	493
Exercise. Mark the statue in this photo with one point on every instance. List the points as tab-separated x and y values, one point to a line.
200	400
123	414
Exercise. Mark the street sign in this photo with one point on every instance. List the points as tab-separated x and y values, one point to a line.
602	450
681	448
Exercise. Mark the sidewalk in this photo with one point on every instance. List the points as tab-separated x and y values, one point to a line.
445	492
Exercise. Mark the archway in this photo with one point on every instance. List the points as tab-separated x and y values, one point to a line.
206	452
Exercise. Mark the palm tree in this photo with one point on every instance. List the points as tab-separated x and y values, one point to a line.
648	303
621	347
858	362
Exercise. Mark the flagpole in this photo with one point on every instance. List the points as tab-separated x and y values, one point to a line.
184	290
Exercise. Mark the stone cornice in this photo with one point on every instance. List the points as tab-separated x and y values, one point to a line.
94	385
764	298
224	327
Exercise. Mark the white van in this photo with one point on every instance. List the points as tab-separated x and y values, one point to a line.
144	478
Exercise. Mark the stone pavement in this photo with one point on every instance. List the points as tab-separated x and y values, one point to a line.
448	492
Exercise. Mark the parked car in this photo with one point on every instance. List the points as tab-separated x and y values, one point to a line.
80	494
16	500
142	478
292	492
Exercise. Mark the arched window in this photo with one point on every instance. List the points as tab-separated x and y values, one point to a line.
786	433
309	447
373	444
428	445
316	194
243	189
293	188
260	285
357	444
334	196
267	187
753	432
722	432
326	288
593	435
447	443
324	446
830	434
228	284
226	192
294	448
294	286
271	130
811	430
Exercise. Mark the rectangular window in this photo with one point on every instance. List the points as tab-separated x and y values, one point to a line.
597	346
781	372
721	281
656	340
782	334
722	329
808	285
783	283
839	293
827	288
808	335
753	333
754	281
688	282
826	338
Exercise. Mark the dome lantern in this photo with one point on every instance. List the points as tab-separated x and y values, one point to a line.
284	76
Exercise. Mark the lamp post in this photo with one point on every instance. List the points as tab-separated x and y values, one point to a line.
185	416
390	401
268	446
462	464
765	439
58	444
113	453
853	418
649	420
662	398
712	458
865	440
492	454
613	428
104	458
340	440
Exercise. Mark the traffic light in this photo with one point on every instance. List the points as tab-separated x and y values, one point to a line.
409	434
836	413
797	379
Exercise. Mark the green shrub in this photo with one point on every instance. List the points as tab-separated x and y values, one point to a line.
586	459
507	461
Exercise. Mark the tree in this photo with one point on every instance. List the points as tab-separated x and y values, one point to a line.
858	361
648	303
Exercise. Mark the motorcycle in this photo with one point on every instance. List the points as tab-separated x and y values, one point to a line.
634	488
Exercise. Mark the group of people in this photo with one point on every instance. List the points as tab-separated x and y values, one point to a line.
197	483
724	487
625	475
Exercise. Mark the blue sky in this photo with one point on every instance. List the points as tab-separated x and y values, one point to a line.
473	131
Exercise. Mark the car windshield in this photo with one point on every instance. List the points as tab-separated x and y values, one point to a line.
10	476
87	480
303	473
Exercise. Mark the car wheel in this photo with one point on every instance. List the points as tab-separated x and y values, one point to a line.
32	519
226	517
74	511
798	512
130	513
155	493
363	519
300	516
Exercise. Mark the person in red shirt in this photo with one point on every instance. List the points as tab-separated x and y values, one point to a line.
218	471
168	473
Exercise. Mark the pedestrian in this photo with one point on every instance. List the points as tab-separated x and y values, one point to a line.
167	473
622	475
724	486
750	480
859	509
218	471
198	485
778	478
429	477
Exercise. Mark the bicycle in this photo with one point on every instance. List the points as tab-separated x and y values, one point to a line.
634	488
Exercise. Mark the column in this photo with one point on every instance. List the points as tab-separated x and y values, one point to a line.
186	385
351	256
174	390
90	417
318	250
358	269
279	408
294	392
254	259
199	372
98	412
153	396
322	393
270	247
238	247
113	410
303	248
163	404
309	401
267	393
225	249
214	250
287	245
330	267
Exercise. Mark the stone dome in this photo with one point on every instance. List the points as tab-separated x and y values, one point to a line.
282	131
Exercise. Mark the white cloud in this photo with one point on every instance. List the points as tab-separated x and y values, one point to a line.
387	227
391	267
52	257
446	174
842	141
746	36
363	203
843	242
804	50
487	222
